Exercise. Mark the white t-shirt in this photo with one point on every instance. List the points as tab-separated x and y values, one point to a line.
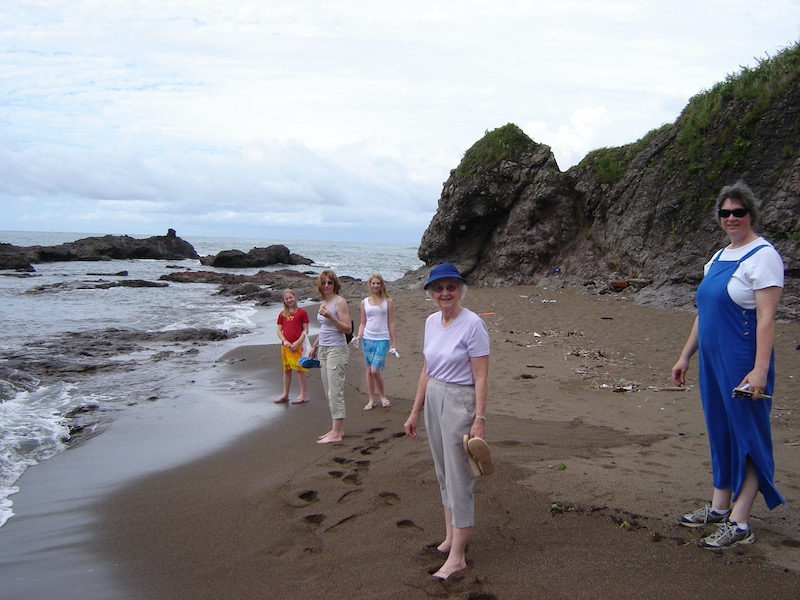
448	351
762	270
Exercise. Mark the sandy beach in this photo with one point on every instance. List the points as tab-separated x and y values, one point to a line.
596	456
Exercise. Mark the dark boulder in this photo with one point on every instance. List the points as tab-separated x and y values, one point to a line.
276	254
15	258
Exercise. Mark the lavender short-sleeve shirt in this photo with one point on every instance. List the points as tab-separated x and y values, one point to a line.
448	351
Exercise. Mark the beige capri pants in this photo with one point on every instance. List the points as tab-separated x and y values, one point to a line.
449	414
332	362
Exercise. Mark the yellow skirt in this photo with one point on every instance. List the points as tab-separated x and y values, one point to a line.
290	358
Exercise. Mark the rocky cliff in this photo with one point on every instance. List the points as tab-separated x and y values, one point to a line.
641	214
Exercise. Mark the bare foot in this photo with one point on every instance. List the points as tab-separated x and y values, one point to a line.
299	400
330	438
385	403
281	399
369	406
446	571
444	547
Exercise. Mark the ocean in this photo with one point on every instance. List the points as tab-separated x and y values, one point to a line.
60	321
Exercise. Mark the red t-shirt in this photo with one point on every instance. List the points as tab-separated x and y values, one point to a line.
293	324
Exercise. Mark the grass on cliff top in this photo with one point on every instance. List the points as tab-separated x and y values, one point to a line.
610	164
504	143
704	125
752	92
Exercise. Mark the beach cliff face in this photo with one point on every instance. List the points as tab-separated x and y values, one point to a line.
640	215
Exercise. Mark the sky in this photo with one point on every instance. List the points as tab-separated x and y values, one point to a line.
330	120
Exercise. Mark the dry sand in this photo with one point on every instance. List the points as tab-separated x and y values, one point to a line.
596	457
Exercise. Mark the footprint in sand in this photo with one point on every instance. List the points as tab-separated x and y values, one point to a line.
389	498
303	499
408	524
309	496
314	519
351	478
336	474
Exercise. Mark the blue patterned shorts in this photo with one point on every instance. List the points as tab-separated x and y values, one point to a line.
375	353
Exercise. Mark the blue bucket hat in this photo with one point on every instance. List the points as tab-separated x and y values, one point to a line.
443	271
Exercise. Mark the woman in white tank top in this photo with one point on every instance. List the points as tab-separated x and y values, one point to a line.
376	334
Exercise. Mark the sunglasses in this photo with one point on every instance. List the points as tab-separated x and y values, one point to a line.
327	283
724	213
450	287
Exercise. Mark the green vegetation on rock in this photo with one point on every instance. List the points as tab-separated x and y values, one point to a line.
610	164
504	143
731	110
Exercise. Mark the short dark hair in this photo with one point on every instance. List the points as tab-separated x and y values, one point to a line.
742	193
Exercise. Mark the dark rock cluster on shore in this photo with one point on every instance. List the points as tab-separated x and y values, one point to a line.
81	355
71	355
263	287
266	287
276	254
124	247
108	247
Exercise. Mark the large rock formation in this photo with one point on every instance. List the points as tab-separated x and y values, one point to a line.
504	224
642	213
108	247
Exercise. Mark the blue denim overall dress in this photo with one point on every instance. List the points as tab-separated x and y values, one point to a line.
738	429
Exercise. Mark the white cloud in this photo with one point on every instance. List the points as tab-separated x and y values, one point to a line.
224	118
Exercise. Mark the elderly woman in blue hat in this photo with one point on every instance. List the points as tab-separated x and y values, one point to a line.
452	392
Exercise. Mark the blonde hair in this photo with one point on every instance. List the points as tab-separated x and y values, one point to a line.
384	293
286	311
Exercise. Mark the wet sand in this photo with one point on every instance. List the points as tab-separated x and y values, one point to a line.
596	456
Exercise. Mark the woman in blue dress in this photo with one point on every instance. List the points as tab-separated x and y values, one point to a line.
733	334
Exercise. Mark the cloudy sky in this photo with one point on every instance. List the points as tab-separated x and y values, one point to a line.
321	119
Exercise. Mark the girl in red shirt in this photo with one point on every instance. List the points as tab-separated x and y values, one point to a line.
292	330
